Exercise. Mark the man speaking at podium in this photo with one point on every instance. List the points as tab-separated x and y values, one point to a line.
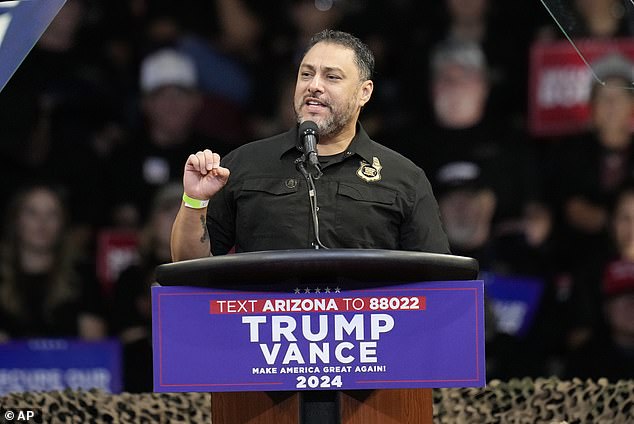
322	184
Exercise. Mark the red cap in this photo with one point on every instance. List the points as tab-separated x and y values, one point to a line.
618	278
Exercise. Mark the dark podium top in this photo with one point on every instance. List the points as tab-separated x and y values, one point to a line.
275	269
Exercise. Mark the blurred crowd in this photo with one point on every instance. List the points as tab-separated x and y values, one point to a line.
99	119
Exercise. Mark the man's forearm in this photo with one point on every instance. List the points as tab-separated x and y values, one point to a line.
190	238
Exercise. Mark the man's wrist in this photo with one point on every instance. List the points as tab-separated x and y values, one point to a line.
192	203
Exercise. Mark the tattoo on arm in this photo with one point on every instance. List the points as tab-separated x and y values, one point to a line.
205	235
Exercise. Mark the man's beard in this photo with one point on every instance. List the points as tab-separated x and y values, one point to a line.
332	124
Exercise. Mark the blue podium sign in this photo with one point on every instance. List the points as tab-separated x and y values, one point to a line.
416	335
21	25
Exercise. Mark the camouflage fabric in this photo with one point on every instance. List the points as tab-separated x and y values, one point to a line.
547	401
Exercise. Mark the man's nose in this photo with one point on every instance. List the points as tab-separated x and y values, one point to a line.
315	85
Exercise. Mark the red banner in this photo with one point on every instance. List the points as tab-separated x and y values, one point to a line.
560	83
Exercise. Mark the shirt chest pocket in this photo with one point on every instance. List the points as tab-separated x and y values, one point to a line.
264	205
368	214
272	186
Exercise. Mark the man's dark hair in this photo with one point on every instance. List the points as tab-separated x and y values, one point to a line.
363	57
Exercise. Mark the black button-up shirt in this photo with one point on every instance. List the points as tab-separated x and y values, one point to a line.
368	197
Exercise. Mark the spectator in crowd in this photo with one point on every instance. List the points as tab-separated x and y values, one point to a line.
465	129
467	202
588	170
598	19
584	175
131	310
467	205
170	104
500	31
226	58
623	222
610	353
222	37
46	290
583	310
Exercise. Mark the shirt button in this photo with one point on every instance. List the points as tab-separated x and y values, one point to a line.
348	153
291	183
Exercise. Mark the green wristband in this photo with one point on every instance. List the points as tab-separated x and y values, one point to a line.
190	202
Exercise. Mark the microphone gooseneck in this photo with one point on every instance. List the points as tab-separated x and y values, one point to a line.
308	139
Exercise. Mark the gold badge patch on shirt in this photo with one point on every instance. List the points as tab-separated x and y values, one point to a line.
370	173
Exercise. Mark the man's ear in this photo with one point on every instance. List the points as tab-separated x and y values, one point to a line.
366	92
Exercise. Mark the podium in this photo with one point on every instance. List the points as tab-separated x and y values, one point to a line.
343	269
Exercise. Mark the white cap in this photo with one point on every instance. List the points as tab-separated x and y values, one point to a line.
168	67
464	53
614	65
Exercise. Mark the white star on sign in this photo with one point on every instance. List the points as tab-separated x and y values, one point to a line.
297	291
306	290
327	290
317	290
337	290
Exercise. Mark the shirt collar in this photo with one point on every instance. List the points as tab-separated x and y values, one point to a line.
361	143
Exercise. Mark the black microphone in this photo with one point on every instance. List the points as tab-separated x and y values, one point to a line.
309	138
